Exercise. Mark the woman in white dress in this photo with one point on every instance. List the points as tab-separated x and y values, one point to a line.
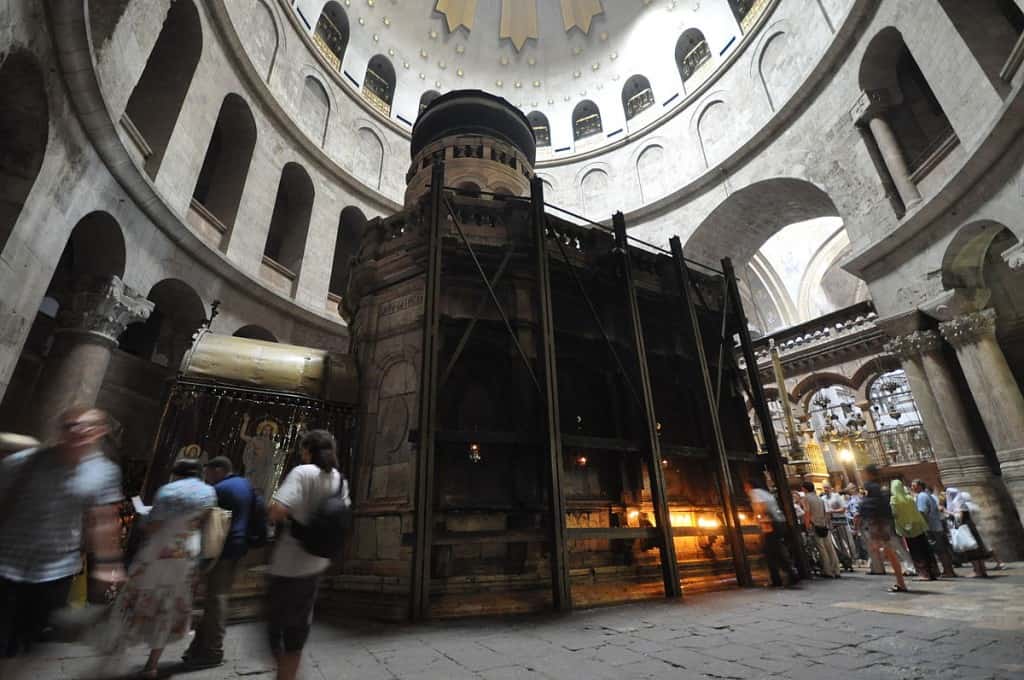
155	605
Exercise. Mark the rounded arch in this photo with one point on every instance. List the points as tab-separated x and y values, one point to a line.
586	120
289	223
867	374
963	263
820	380
637	96
331	33
314	109
163	338
255	332
351	225
751	215
692	52
379	83
650	172
368	162
226	165
24	133
158	96
541	128
96	246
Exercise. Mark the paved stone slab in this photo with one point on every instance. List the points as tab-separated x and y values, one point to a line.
957	630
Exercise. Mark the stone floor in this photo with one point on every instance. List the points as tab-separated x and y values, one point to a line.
842	630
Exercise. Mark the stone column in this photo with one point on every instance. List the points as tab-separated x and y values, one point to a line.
958	455
88	325
995	391
870	111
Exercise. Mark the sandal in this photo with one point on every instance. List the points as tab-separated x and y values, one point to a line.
898	589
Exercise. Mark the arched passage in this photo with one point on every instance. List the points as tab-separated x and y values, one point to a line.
289	223
637	96
331	34
586	120
891	74
157	99
163	338
350	233
990	28
24	128
226	165
254	332
379	83
741	224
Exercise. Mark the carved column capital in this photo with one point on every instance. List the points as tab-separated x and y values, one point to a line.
870	104
102	306
1014	256
967	329
911	345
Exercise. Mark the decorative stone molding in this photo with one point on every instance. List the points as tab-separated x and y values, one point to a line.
905	347
102	306
967	329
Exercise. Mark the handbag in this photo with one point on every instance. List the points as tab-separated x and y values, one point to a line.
821	532
963	540
214	533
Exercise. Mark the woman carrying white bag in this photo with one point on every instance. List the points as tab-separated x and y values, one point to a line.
966	540
155	605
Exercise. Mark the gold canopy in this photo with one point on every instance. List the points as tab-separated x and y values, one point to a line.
316	373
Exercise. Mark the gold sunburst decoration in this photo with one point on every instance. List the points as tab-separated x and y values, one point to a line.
457	13
580	13
519	21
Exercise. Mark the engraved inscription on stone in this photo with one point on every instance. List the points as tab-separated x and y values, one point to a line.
401	304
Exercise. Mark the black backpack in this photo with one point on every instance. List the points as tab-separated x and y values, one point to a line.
324	534
256	530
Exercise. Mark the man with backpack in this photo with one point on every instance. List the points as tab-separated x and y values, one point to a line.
314	499
248	530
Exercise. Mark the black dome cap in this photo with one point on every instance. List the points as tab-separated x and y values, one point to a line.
473	112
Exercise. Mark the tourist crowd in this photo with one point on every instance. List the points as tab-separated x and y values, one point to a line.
914	530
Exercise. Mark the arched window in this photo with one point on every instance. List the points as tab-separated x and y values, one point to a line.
379	83
350	234
226	166
586	120
286	239
991	29
692	52
24	124
636	96
427	97
914	113
331	34
541	129
156	101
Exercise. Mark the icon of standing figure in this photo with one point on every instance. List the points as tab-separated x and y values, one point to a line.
260	454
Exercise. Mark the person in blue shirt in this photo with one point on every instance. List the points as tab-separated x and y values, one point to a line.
234	493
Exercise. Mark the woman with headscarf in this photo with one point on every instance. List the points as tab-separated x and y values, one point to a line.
963	510
155	606
913	528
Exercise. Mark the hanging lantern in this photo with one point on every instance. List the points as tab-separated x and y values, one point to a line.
474	453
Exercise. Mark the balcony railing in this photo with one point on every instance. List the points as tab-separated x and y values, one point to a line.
694	59
377	91
638	102
329	41
756	9
898	446
586	126
543	135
